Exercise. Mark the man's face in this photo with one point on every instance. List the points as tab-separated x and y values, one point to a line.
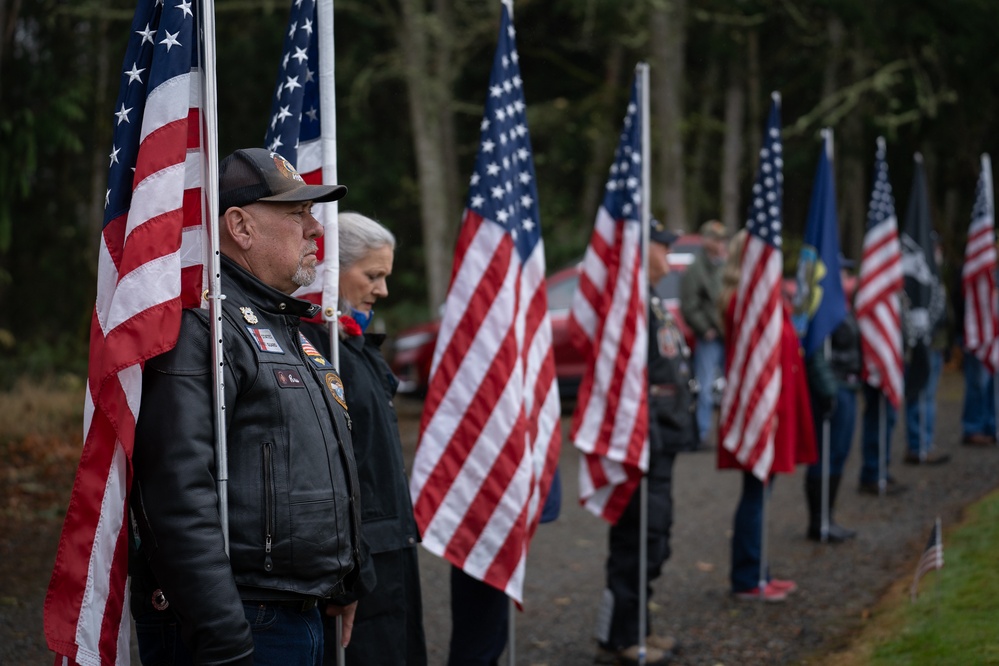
363	283
658	262
715	248
284	244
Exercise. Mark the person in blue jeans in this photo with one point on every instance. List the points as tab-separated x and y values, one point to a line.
921	418
978	416
870	474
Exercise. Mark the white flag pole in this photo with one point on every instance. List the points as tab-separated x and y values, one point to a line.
330	210
827	137
642	73
210	208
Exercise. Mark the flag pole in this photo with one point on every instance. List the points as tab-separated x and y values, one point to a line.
827	138
214	295
882	445
990	202
642	72
764	555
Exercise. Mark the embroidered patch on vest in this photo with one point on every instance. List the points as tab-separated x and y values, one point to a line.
335	386
265	340
288	378
312	354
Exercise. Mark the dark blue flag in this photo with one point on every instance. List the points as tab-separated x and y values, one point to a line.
820	305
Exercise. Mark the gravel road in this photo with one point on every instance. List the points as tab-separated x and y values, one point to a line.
839	585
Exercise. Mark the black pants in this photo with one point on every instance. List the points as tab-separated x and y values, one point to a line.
618	617
480	616
388	627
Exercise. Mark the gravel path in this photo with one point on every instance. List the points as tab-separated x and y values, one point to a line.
839	584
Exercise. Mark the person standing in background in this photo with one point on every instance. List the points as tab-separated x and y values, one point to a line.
700	286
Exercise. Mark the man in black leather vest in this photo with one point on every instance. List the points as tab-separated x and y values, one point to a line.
294	546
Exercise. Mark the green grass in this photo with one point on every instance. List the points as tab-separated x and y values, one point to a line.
955	619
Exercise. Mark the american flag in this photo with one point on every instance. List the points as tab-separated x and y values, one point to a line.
490	435
748	420
610	425
981	320
294	131
876	303
931	559
151	264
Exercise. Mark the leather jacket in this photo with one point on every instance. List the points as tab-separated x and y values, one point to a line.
672	398
292	484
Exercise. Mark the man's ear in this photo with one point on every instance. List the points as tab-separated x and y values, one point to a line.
238	226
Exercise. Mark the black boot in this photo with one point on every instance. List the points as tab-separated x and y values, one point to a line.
836	532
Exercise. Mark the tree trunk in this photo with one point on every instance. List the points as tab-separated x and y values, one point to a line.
856	161
604	142
101	129
754	91
703	140
732	148
669	36
427	49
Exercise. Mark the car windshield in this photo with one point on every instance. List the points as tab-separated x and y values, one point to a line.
560	293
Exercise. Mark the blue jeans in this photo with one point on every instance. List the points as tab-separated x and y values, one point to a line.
747	535
709	363
924	409
842	422
978	417
281	637
480	615
873	399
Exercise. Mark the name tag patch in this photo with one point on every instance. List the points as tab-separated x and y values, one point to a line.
288	378
265	340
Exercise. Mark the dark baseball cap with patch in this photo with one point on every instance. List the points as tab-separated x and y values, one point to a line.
250	175
658	233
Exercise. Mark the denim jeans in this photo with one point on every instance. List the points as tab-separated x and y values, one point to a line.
709	363
281	637
842	423
873	399
923	411
978	417
747	535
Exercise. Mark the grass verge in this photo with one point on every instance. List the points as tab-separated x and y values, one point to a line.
953	620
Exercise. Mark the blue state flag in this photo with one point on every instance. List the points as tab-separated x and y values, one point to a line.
820	304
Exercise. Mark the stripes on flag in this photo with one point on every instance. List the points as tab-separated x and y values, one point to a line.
931	559
295	132
490	434
608	318
151	264
876	304
978	276
748	421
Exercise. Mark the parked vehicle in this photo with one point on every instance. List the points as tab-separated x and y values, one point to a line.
413	349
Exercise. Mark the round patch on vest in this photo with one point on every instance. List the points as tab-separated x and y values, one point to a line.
335	386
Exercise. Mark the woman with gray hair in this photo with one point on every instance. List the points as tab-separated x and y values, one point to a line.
388	627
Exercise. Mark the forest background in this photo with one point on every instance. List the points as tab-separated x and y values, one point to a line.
411	80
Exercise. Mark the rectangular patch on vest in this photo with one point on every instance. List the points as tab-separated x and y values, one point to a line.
288	378
265	340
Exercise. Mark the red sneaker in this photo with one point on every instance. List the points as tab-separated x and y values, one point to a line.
787	586
770	594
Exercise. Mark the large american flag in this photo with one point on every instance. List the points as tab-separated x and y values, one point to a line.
294	131
876	303
610	425
981	319
151	264
748	420
490	435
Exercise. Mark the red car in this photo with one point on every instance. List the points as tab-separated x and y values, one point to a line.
413	349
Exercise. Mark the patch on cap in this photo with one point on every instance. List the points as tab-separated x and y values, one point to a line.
285	168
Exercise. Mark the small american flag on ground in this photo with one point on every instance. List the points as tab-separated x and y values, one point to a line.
151	263
294	131
490	435
748	419
981	320
931	559
610	425
876	304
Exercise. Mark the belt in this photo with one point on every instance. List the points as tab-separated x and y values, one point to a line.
662	390
303	604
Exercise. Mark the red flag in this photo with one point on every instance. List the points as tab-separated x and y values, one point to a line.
876	303
610	425
151	264
748	419
490	435
981	320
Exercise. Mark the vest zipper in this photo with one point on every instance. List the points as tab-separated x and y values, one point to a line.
268	506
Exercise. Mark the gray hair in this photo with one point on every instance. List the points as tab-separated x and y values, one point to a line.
359	235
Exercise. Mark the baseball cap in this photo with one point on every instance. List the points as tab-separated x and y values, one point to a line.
658	233
250	175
